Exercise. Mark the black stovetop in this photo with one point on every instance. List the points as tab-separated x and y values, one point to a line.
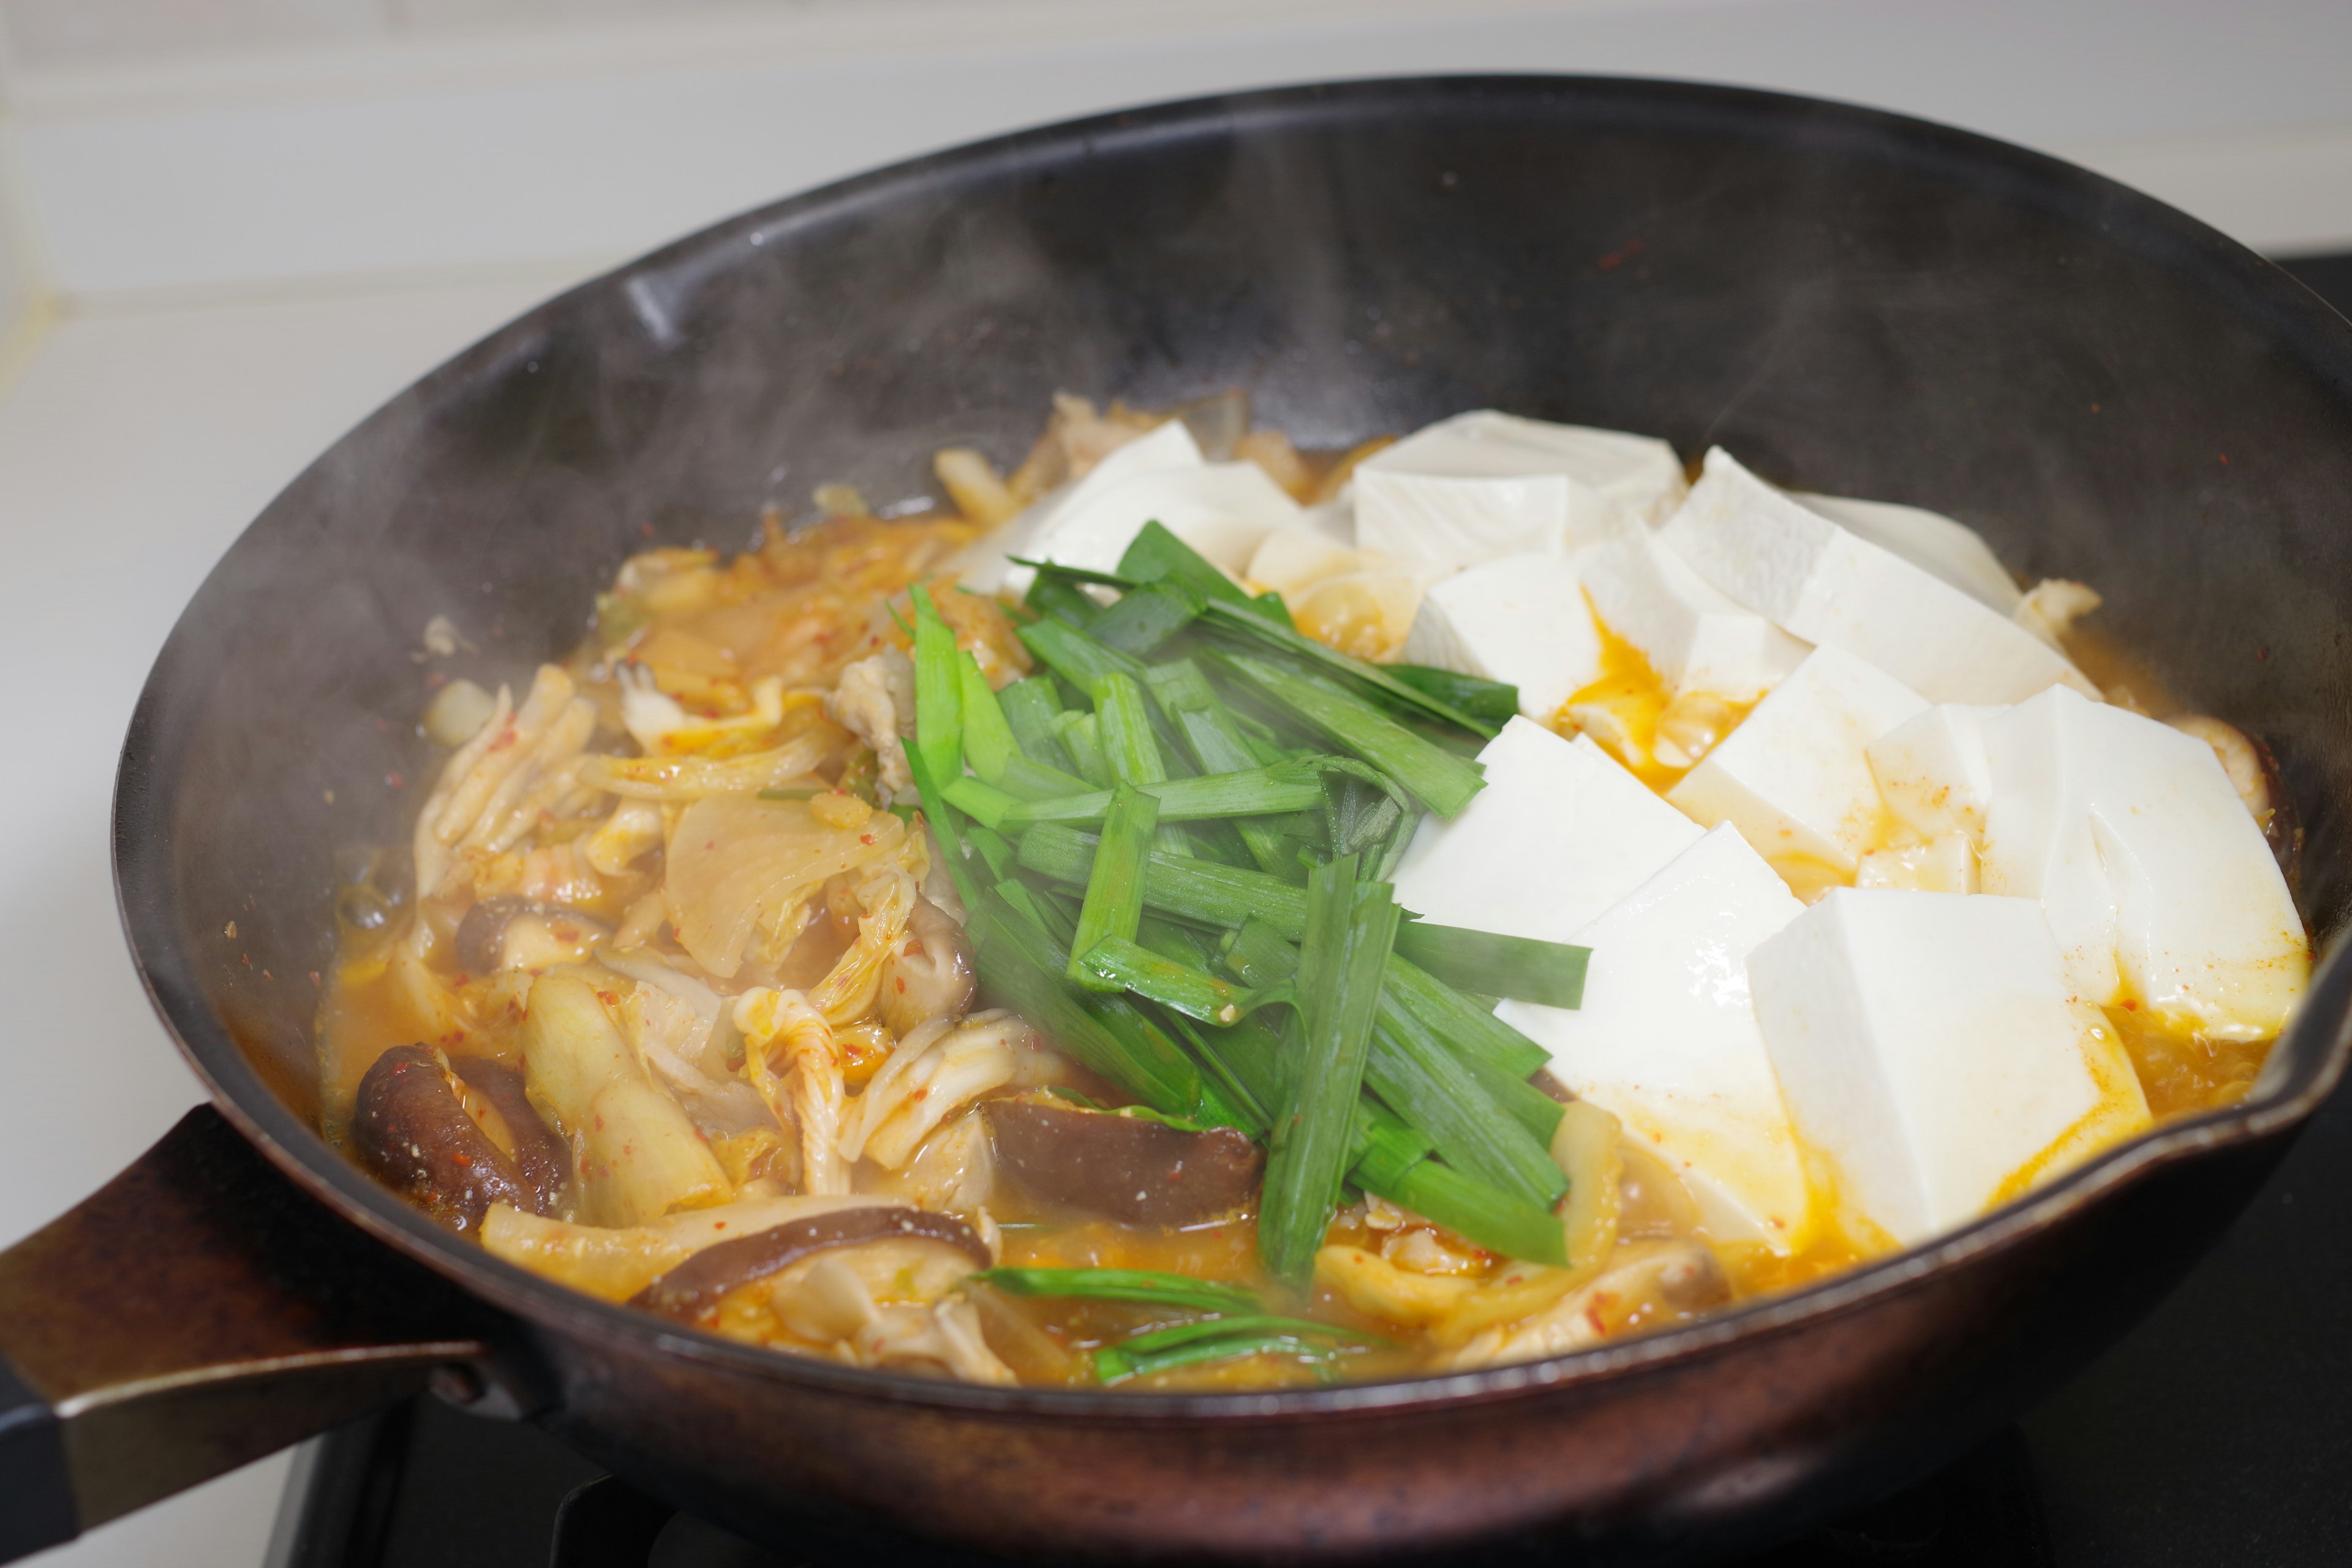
2219	1434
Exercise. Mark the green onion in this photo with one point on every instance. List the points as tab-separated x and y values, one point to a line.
1220	1339
1269	605
1440	780
982	800
1122	965
1258	791
1522	1101
1144	1287
1145	618
1036	781
1490	700
1215	736
1021	965
1115	882
1030	707
1076	656
1350	929
991	849
988	740
1113	1363
1203	891
1082	737
1432	1089
1057	594
1253	626
1014	891
1158	557
939	690
1491	965
943	826
1245	1060
1242	1323
1463	1203
1470	1029
1123	719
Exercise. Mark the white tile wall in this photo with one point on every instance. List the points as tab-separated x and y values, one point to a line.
43	33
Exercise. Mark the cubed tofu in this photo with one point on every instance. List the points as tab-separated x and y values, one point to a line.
1695	638
1666	1039
1928	1047
988	567
1795	777
1945	864
1932	772
1481	485
1929	540
1521	619
1829	586
1559	833
2156	879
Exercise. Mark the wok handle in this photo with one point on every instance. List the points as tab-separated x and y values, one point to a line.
195	1313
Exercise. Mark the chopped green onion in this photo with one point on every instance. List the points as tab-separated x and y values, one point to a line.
939	690
988	740
984	801
1030	707
1158	557
1431	1087
1490	964
943	826
1022	964
1463	1203
1490	700
1438	779
1259	791
1076	656
1144	1287
1058	594
1350	927
1036	781
1124	966
1204	891
1145	618
1472	1030
1115	882
1082	737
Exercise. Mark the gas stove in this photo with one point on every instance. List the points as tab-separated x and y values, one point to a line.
2219	1434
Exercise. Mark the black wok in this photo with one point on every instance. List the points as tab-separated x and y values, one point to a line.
1855	302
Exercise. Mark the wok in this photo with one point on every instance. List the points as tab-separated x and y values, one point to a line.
1855	302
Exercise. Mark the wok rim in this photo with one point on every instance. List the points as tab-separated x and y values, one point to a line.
145	880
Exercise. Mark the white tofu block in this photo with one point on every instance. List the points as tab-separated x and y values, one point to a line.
1519	619
1224	511
1795	777
988	567
1932	772
1929	540
1695	638
1559	833
1926	1046
1818	581
2156	881
1946	864
1483	484
1666	1040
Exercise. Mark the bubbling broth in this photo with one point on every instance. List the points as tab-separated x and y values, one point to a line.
1193	914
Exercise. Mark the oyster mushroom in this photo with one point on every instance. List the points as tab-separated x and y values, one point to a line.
415	1130
929	975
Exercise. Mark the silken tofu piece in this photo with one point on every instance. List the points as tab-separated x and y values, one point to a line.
1518	618
1695	638
1224	511
1795	776
1483	484
2157	882
1666	1039
1559	833
1829	586
1165	447
1929	540
1932	772
1927	1046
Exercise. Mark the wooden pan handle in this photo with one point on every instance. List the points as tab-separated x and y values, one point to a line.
195	1313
